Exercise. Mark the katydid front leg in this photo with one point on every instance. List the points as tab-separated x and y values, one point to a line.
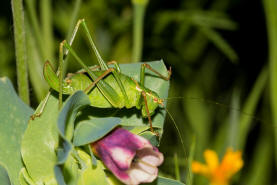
58	73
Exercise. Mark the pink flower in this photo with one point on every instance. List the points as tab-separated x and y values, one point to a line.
131	158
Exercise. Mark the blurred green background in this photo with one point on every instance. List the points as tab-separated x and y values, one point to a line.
222	54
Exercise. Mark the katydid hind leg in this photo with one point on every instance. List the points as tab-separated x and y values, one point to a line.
120	84
142	80
148	114
103	65
117	67
101	62
97	67
107	72
142	73
98	79
108	92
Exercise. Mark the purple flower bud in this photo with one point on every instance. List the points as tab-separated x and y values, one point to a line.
131	158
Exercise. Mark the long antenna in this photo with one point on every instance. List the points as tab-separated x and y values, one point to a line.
179	135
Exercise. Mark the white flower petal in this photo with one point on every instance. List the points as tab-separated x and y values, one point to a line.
122	157
138	175
148	168
150	156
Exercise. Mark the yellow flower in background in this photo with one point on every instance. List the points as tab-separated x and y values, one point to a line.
219	173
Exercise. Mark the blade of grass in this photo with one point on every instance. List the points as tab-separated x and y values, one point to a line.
260	166
234	120
35	65
47	28
220	43
189	177
176	164
250	106
20	50
270	7
30	6
139	11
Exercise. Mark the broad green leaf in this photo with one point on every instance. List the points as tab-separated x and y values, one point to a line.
13	122
166	181
65	124
40	142
25	178
89	131
69	173
4	177
66	120
91	175
137	130
151	137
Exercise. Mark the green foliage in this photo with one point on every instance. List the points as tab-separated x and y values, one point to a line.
92	130
20	50
14	118
166	181
4	177
219	101
271	18
40	142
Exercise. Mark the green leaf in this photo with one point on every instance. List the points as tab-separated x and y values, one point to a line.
91	175
65	123
25	178
166	181
89	131
14	118
40	142
66	120
4	177
150	137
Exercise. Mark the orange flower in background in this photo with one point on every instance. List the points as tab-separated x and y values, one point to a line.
219	173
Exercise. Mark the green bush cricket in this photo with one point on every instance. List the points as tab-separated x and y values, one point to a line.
106	86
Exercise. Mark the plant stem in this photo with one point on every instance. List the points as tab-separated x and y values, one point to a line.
47	28
270	7
139	11
30	5
20	50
